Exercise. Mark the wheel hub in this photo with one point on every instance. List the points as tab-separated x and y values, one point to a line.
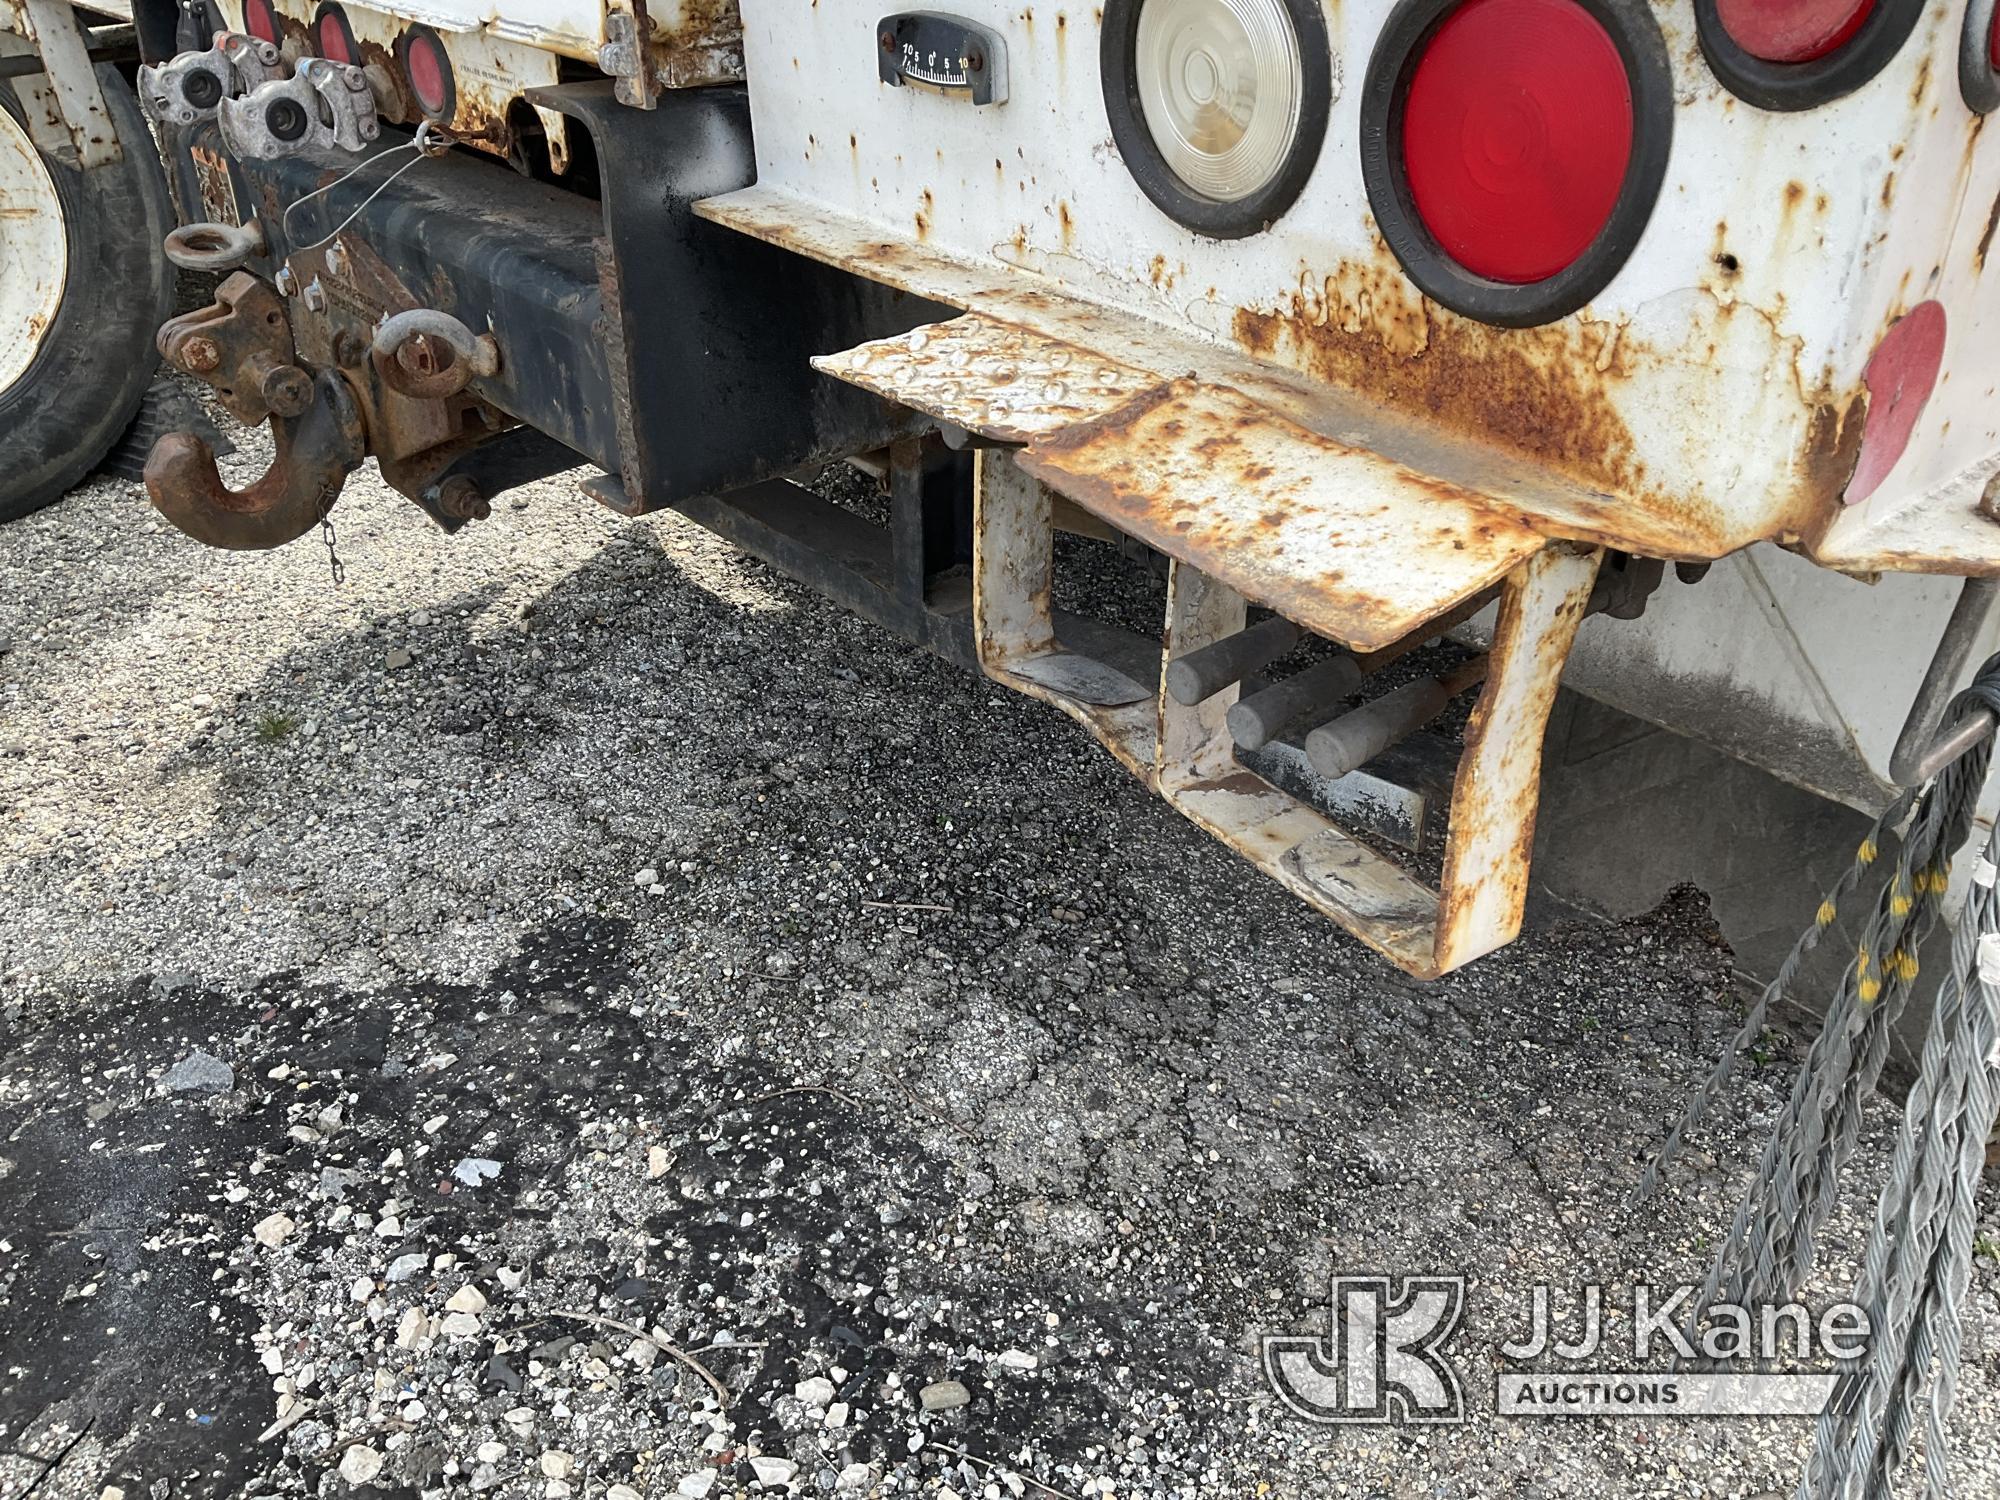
34	251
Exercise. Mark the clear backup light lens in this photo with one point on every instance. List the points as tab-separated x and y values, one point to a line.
1221	86
1792	31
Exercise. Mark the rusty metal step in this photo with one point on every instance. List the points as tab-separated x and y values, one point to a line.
1350	545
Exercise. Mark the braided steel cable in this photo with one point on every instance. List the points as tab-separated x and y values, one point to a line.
1923	1231
1916	1265
1729	1274
1820	1167
1927	1297
1819	1137
1884	1283
1976	1126
1703	1100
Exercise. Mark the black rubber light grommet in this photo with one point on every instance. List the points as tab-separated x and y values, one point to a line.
1222	219
415	45
1978	74
1635	33
1805	85
334	16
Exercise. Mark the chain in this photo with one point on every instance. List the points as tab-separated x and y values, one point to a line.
326	535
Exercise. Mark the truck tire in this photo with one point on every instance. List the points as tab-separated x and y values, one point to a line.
84	286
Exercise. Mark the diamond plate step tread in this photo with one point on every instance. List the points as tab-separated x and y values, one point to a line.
989	377
1354	546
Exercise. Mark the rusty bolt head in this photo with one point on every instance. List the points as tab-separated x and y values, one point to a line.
1989	499
463	500
287	282
315	296
199	355
976	62
888	41
287	390
349	349
336	259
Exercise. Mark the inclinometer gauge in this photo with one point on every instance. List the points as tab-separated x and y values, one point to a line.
943	54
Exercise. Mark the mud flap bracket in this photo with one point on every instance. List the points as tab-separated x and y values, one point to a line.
64	105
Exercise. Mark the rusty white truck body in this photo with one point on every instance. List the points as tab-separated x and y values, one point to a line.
1359	455
1391	319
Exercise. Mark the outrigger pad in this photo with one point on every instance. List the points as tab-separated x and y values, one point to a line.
1349	544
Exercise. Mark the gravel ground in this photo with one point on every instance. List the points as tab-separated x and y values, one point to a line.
427	1003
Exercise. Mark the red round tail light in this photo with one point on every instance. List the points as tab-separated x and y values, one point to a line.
1792	31
1517	134
428	68
1795	54
1513	149
261	21
333	36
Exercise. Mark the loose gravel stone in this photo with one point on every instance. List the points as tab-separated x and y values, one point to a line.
199	1073
932	1051
360	1464
943	1395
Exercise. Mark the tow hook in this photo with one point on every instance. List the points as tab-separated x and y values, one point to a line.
215	247
242	346
316	451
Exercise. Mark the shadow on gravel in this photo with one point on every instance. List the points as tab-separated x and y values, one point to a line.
657	944
140	1285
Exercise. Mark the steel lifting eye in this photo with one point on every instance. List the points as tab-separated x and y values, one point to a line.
470	354
215	247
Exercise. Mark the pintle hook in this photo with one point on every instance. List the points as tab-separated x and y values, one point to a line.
316	451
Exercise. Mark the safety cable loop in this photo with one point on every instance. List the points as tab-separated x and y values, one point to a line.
429	142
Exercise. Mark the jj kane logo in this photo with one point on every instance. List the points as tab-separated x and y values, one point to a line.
1383	1360
1385	1357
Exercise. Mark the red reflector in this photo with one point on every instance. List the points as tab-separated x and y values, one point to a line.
1900	376
1517	130
261	21
1792	31
1993	41
426	65
332	33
